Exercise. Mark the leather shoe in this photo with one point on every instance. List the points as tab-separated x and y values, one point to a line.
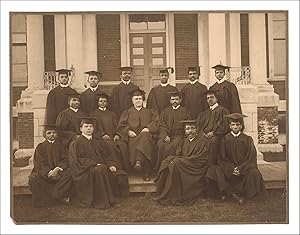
138	166
239	200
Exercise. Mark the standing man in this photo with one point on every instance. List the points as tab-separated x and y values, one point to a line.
137	125
89	98
120	97
57	99
193	97
171	130
159	98
228	93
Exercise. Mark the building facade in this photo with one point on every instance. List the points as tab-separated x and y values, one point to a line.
254	44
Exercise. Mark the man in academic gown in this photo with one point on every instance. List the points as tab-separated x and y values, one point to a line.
227	91
97	177
181	177
193	97
89	98
57	99
120	98
137	127
50	180
171	130
158	98
106	129
212	125
68	121
239	162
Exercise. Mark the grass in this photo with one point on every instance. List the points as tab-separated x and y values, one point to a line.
139	209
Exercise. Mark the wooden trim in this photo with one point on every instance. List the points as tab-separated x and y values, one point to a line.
271	46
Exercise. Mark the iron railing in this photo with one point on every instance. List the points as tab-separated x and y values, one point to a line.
50	78
239	75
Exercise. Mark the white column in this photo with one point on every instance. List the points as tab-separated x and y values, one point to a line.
35	52
170	47
257	48
217	41
203	48
234	40
74	39
60	41
124	37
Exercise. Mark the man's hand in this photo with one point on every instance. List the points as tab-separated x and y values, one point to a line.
54	173
113	168
145	130
116	137
131	134
209	135
167	139
236	171
106	137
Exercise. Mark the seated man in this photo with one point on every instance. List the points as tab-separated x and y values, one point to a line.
106	129
50	179
181	177
97	177
68	121
137	125
171	131
239	162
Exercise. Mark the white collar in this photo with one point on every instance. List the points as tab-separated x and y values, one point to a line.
193	82
102	109
126	83
192	139
214	106
94	88
177	107
164	84
64	86
138	109
89	137
51	142
235	135
222	80
75	110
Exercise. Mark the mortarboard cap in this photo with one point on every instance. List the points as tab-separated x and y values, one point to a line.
187	122
64	71
220	66
49	127
103	95
174	93
126	68
88	120
194	68
167	70
93	73
209	92
136	92
235	116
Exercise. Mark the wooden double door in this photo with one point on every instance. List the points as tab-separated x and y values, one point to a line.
147	57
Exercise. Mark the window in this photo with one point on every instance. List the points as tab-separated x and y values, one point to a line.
147	22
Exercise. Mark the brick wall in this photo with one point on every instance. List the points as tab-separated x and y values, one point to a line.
186	43
25	130
49	42
108	46
244	25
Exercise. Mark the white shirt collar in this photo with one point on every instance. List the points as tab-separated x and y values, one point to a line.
235	135
126	82
193	82
138	109
64	85
214	106
94	88
164	84
102	109
192	139
177	107
75	110
89	137
222	80
51	142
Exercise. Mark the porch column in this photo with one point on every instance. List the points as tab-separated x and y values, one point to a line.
217	42
60	41
170	47
124	37
203	48
268	101
234	52
74	40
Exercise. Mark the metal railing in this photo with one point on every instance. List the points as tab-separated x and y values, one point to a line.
50	79
239	75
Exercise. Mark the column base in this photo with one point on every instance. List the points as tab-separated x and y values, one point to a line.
275	148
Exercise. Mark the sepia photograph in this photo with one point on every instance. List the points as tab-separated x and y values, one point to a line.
149	117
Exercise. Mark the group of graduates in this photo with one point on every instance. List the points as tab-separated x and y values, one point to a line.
191	141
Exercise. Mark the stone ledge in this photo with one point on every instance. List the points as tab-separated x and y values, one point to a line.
270	148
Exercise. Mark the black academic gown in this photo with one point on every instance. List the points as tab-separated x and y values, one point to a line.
194	99
181	178
57	101
120	97
169	125
95	185
107	125
228	96
240	152
46	191
159	98
89	100
144	143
